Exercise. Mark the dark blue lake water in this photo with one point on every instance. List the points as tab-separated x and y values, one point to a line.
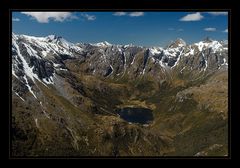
136	115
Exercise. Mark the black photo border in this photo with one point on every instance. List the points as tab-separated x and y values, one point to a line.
144	5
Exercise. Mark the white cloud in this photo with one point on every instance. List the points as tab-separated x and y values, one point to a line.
15	19
131	14
136	14
44	17
192	17
173	29
211	29
89	17
179	30
218	13
119	13
225	31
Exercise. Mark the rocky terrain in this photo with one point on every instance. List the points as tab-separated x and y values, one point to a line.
67	98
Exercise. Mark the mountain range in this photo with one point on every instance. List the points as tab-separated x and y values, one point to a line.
70	99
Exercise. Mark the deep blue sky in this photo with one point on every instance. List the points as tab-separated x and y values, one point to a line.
145	29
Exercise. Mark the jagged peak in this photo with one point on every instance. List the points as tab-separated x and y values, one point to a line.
102	44
128	45
177	43
179	40
53	37
224	42
106	43
207	40
14	36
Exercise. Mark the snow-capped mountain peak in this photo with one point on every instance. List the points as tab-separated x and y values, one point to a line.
177	43
208	43
155	50
207	40
51	38
102	44
59	39
224	42
39	56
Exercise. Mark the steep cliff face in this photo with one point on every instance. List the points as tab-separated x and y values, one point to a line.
65	98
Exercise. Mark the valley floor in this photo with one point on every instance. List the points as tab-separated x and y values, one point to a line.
77	117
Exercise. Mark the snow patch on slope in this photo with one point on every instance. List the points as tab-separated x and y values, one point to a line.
155	50
19	96
29	87
28	71
179	57
133	60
